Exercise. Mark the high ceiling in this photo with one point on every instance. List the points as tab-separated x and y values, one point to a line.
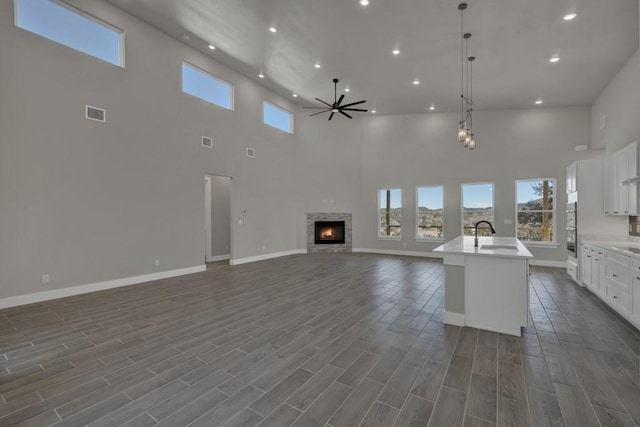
513	41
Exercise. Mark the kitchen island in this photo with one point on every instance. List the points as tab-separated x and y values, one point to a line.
486	287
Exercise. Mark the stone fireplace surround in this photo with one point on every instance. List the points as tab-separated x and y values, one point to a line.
328	216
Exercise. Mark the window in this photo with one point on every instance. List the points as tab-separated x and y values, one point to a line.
535	210
477	205
206	87
70	27
389	213
429	214
277	117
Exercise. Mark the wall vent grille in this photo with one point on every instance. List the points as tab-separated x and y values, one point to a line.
95	113
251	152
207	142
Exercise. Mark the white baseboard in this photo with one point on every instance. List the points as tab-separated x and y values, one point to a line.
93	287
452	318
393	252
219	258
545	263
238	261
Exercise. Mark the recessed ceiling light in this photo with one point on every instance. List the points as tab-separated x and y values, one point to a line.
395	52
295	95
416	82
317	65
212	47
364	2
346	89
433	107
554	59
373	111
273	29
261	75
569	16
539	101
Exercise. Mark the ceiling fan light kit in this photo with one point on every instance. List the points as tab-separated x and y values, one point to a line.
337	106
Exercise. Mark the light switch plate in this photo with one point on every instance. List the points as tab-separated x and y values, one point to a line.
507	221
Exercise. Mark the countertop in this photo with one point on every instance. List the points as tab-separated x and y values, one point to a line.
463	245
620	247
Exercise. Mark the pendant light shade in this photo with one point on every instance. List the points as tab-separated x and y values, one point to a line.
465	135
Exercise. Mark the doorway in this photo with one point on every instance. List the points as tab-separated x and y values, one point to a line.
217	213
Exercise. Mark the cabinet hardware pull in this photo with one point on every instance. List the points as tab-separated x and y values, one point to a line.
615	212
615	297
615	275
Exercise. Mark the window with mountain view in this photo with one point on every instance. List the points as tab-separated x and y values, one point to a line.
429	214
535	206
389	213
477	205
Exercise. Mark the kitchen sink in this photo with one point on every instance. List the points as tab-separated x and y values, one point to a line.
511	247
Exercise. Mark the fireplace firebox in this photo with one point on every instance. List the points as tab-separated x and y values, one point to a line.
329	232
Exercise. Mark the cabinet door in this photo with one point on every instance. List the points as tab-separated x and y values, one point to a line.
610	187
595	270
622	174
572	170
632	172
586	266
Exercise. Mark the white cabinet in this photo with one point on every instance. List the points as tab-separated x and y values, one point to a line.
620	181
635	291
614	278
572	174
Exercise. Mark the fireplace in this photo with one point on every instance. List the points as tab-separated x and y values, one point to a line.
329	232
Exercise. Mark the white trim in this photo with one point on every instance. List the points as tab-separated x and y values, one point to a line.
219	258
545	263
238	261
392	252
93	287
207	219
452	318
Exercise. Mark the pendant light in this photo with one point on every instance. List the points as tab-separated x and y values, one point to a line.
465	132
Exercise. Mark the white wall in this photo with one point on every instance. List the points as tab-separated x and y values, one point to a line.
411	150
87	202
618	107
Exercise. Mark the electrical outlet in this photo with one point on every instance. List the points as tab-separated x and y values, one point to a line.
157	262
404	244
240	222
264	248
45	278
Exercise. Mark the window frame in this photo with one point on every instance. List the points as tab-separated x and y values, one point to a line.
493	202
378	208
82	13
554	241
417	228
213	77
277	107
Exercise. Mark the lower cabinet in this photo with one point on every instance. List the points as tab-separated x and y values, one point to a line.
613	277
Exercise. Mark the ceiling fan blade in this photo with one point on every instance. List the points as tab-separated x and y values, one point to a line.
354	109
331	116
318	108
353	103
340	100
343	113
315	114
328	105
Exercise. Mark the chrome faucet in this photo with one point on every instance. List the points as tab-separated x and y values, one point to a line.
493	231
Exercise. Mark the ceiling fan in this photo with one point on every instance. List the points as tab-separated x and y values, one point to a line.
336	107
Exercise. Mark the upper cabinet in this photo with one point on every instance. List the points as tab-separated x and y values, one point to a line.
621	181
572	174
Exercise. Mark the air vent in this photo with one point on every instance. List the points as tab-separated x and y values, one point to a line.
251	152
95	113
207	142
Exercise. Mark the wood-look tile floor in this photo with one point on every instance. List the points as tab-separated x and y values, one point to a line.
314	340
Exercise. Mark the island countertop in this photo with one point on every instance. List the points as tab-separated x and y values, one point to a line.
463	245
